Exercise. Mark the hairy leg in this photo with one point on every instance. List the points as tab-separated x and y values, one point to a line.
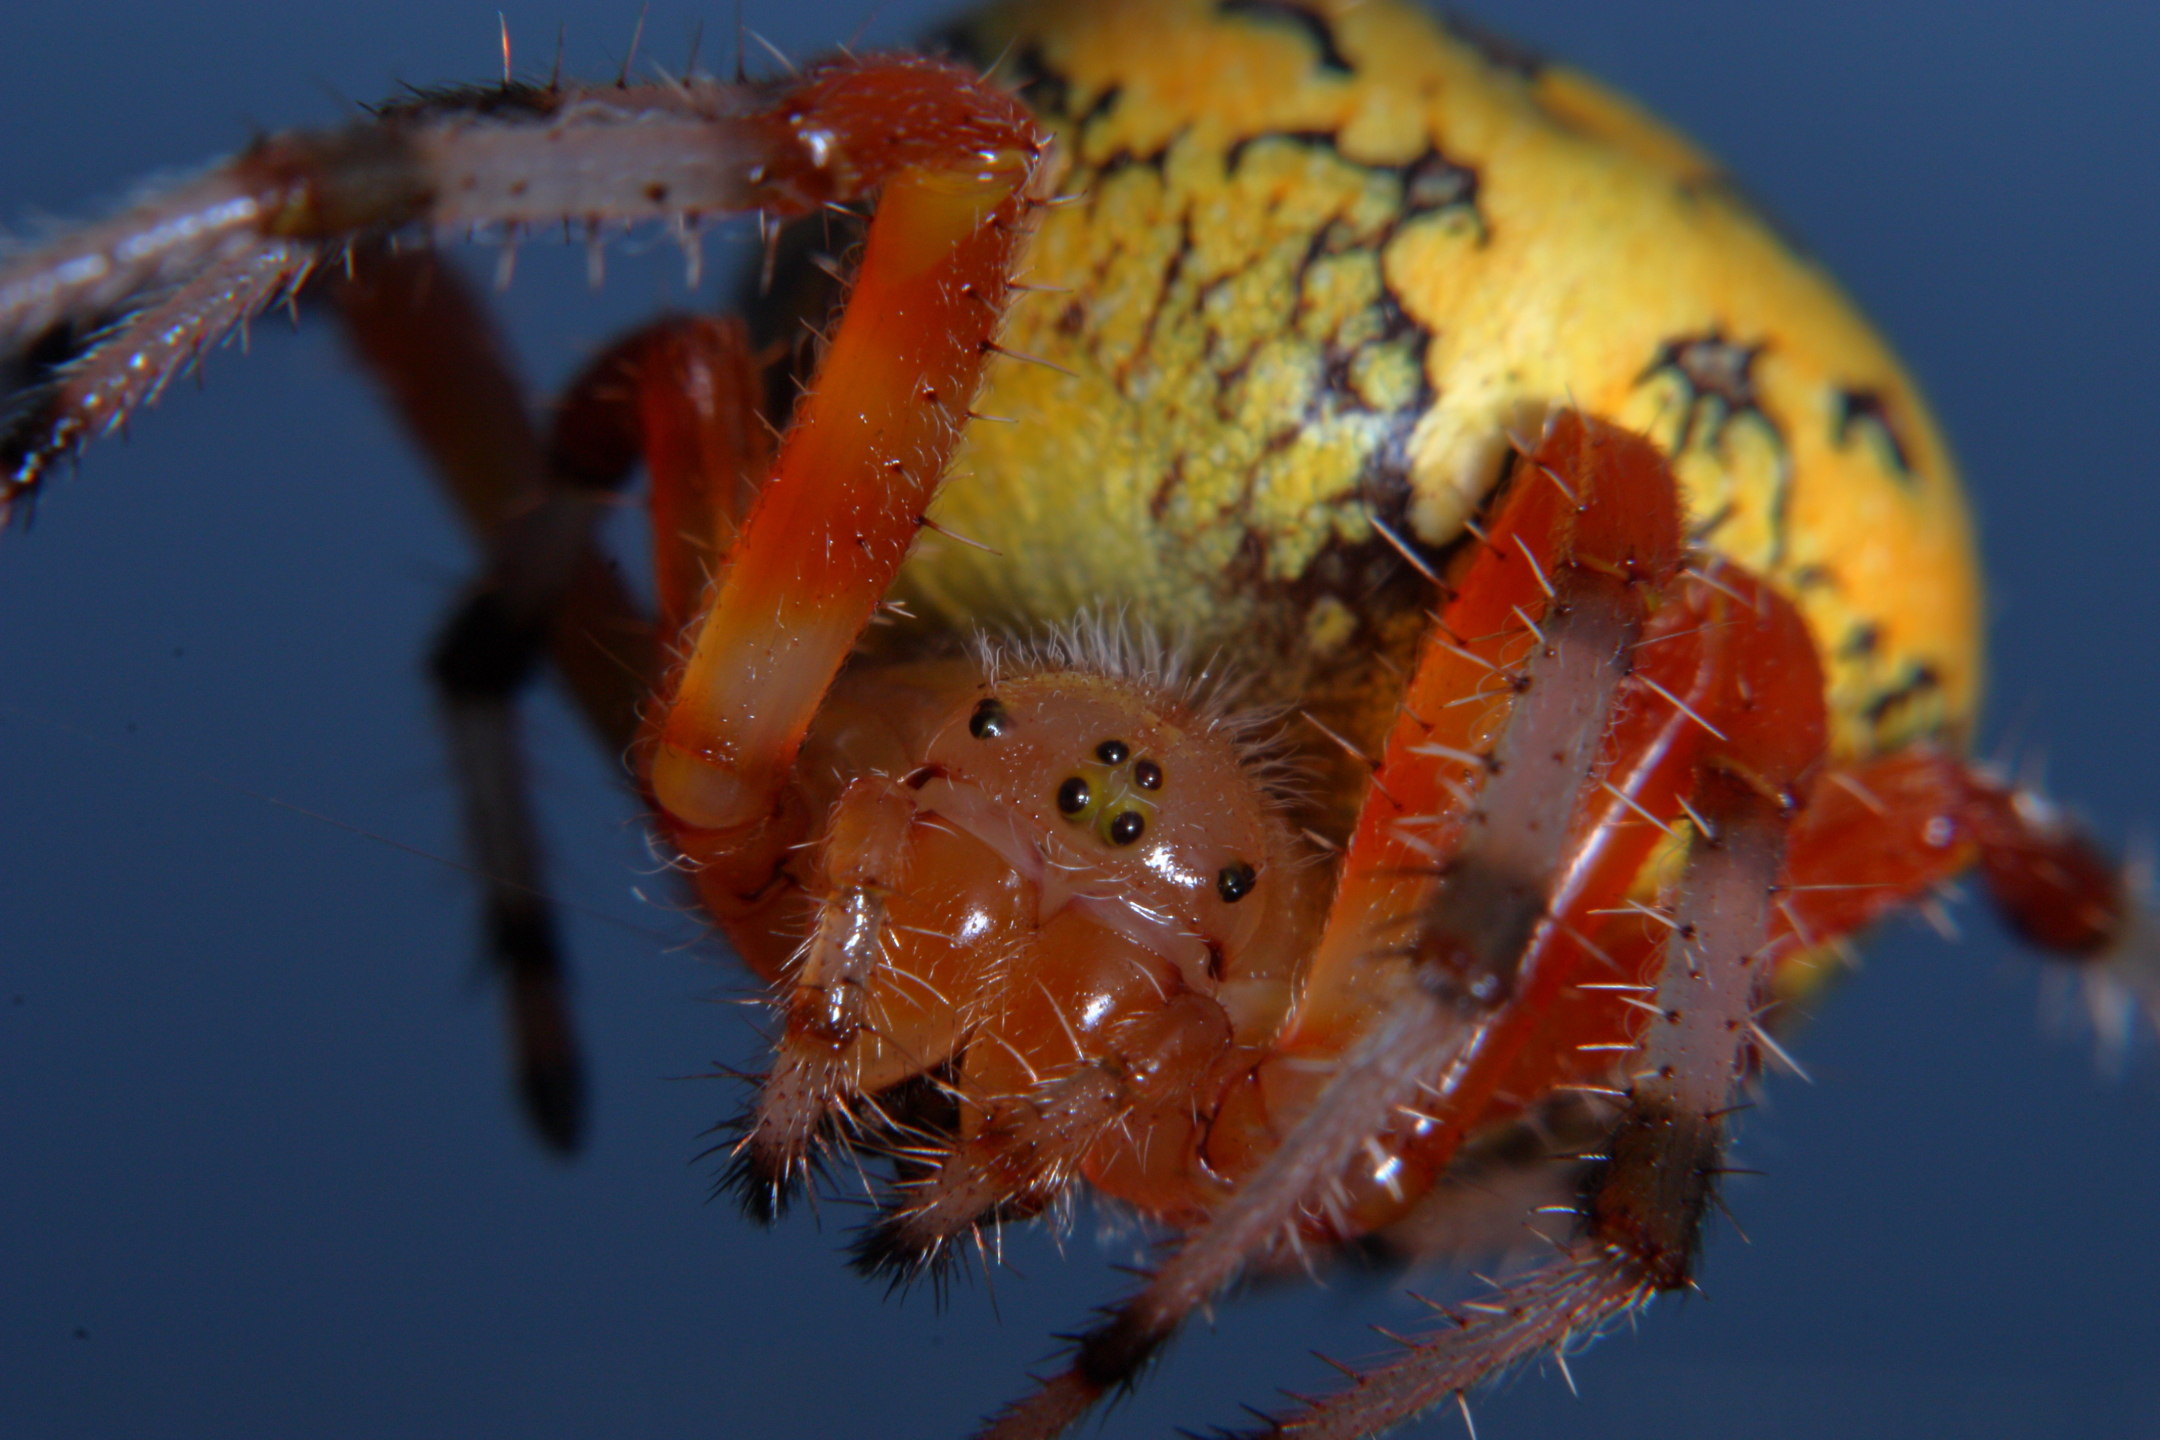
138	295
1640	1216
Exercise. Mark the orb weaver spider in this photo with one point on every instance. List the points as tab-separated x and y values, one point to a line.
1247	1389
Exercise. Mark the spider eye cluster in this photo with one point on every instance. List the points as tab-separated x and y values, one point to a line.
1108	796
1155	794
1116	797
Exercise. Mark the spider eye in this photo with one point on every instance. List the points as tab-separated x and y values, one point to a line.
1147	775
1072	796
1112	752
989	721
1126	827
1235	882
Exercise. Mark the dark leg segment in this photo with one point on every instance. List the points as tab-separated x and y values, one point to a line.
544	588
677	395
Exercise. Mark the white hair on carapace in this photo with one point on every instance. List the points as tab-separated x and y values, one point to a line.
1209	693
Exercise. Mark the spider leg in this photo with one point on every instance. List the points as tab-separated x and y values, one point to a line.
1907	822
544	591
955	164
234	238
678	394
1643	1202
855	474
532	501
118	365
2060	892
1884	832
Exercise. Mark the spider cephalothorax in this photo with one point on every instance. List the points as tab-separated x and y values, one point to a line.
1060	858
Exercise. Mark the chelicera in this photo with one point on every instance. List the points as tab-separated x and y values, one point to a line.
1065	884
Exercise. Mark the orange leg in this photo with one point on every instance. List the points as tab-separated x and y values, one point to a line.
1896	827
1885	832
1484	839
863	459
682	395
795	579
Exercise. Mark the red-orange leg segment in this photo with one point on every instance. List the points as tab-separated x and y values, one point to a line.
1484	829
1689	693
1886	832
1642	1208
681	394
957	165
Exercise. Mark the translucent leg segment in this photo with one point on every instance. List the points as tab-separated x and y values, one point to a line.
142	293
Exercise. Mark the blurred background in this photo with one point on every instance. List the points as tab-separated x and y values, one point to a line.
259	1174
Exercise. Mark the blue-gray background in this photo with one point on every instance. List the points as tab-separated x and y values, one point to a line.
258	1175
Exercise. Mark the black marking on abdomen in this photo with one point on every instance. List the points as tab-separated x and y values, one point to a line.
1921	681
1717	381
1433	184
1867	407
1719	377
1314	27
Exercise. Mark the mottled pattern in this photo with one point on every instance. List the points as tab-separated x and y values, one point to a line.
1319	260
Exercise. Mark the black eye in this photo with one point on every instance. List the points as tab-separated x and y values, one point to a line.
1073	796
1126	827
1234	882
989	720
1147	775
1112	752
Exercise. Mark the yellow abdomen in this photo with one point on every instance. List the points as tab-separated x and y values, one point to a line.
1319	261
